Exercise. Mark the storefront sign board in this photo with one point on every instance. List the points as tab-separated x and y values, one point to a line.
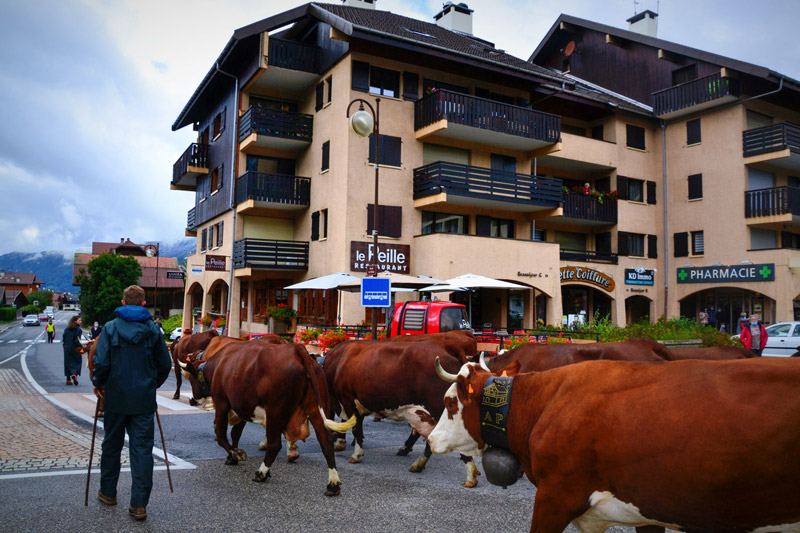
727	273
587	275
641	276
391	257
215	263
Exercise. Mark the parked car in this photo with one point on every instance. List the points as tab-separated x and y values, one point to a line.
783	339
31	320
50	311
176	334
44	317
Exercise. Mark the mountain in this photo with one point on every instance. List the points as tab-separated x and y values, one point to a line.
55	267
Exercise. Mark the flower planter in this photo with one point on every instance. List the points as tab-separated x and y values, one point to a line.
688	343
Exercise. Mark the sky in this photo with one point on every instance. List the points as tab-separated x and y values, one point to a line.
90	89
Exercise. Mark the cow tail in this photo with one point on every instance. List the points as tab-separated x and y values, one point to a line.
307	362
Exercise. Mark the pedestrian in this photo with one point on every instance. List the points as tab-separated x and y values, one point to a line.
130	363
703	316
586	189
741	323
712	316
723	328
50	328
95	331
754	335
71	341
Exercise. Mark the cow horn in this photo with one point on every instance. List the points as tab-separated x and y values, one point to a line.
482	361
444	374
183	365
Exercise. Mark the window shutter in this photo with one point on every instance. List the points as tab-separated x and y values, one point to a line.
320	95
651	192
695	186
315	226
681	244
222	118
622	243
219	234
693	131
326	155
390	146
220	176
204	235
360	76
622	187
372	147
390	219
483	226
410	86
602	243
652	246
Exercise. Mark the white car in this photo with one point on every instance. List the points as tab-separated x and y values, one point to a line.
783	339
176	334
31	320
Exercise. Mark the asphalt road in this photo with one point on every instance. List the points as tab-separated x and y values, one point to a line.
378	495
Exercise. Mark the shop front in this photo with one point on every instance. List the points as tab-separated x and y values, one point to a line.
586	295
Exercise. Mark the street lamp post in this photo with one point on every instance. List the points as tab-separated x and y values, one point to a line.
363	123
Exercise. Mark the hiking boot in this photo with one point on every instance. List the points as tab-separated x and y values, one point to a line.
106	500
138	513
74	379
69	382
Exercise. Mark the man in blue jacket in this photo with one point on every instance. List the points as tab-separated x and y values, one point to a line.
130	363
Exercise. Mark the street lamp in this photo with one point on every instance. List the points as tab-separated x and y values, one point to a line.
363	123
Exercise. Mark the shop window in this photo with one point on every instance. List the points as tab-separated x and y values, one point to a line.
695	186
698	243
444	223
389	150
326	155
635	137
390	220
494	227
693	131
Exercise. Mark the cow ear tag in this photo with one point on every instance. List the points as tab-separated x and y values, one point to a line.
470	389
504	374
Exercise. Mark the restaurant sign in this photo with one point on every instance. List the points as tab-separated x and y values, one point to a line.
587	275
639	276
726	273
391	257
215	263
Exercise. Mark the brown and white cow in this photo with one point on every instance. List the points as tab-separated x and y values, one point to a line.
276	386
393	380
183	347
689	445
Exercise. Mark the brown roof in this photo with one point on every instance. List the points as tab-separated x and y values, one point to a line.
149	266
20	278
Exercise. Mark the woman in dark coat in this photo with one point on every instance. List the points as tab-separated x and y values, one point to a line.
71	341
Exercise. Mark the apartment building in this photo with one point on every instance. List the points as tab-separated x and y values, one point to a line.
517	170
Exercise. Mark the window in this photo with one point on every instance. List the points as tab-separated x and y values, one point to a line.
444	223
384	82
326	155
602	243
630	244
698	244
431	85
537	234
315	226
270	165
360	76
635	137
389	150
410	86
219	234
765	239
573	130
597	132
390	220
504	163
219	123
695	186
494	227
216	179
324	223
788	240
693	131
630	189
570	240
203	236
323	92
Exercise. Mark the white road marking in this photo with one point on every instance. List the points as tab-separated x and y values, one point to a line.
172	405
12	342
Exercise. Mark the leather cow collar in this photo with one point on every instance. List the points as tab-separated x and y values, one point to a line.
202	382
494	404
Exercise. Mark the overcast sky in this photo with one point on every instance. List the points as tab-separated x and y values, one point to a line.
89	90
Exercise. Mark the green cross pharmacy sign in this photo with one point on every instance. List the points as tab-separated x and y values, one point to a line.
726	274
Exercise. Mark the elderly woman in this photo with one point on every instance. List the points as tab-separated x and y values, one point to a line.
71	341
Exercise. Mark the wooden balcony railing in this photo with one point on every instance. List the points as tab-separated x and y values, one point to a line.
191	220
587	208
583	255
774	201
194	156
694	92
771	139
273	188
486	114
485	183
274	123
293	55
270	254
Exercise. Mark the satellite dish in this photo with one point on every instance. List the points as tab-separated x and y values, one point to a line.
569	48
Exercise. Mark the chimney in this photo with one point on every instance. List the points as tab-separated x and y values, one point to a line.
644	23
122	240
366	4
455	17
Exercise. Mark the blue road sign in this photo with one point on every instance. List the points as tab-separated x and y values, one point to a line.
376	292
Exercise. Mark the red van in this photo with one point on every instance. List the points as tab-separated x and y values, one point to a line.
416	318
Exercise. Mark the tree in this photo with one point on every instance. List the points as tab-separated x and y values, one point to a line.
101	287
43	298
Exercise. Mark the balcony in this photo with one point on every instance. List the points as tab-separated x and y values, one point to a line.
587	256
695	95
191	165
772	208
456	184
778	144
271	128
191	223
288	66
459	116
259	192
586	211
267	254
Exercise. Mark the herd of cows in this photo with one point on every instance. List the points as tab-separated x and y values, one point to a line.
629	433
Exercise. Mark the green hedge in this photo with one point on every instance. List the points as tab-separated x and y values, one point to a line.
168	324
30	310
673	329
7	314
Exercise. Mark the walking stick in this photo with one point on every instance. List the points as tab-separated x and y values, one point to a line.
91	452
163	447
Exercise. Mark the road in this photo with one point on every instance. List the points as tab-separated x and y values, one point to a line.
45	436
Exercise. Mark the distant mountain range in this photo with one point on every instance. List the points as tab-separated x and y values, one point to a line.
55	267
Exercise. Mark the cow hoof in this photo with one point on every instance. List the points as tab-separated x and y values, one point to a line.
354	460
470	484
231	460
292	457
333	490
240	455
340	447
176	396
416	468
403	451
259	477
192	402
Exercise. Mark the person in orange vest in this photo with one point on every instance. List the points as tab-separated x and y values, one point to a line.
50	328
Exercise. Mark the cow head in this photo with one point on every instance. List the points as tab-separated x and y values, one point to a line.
192	369
459	427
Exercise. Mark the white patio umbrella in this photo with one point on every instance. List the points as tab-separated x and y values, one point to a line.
399	281
331	281
471	281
